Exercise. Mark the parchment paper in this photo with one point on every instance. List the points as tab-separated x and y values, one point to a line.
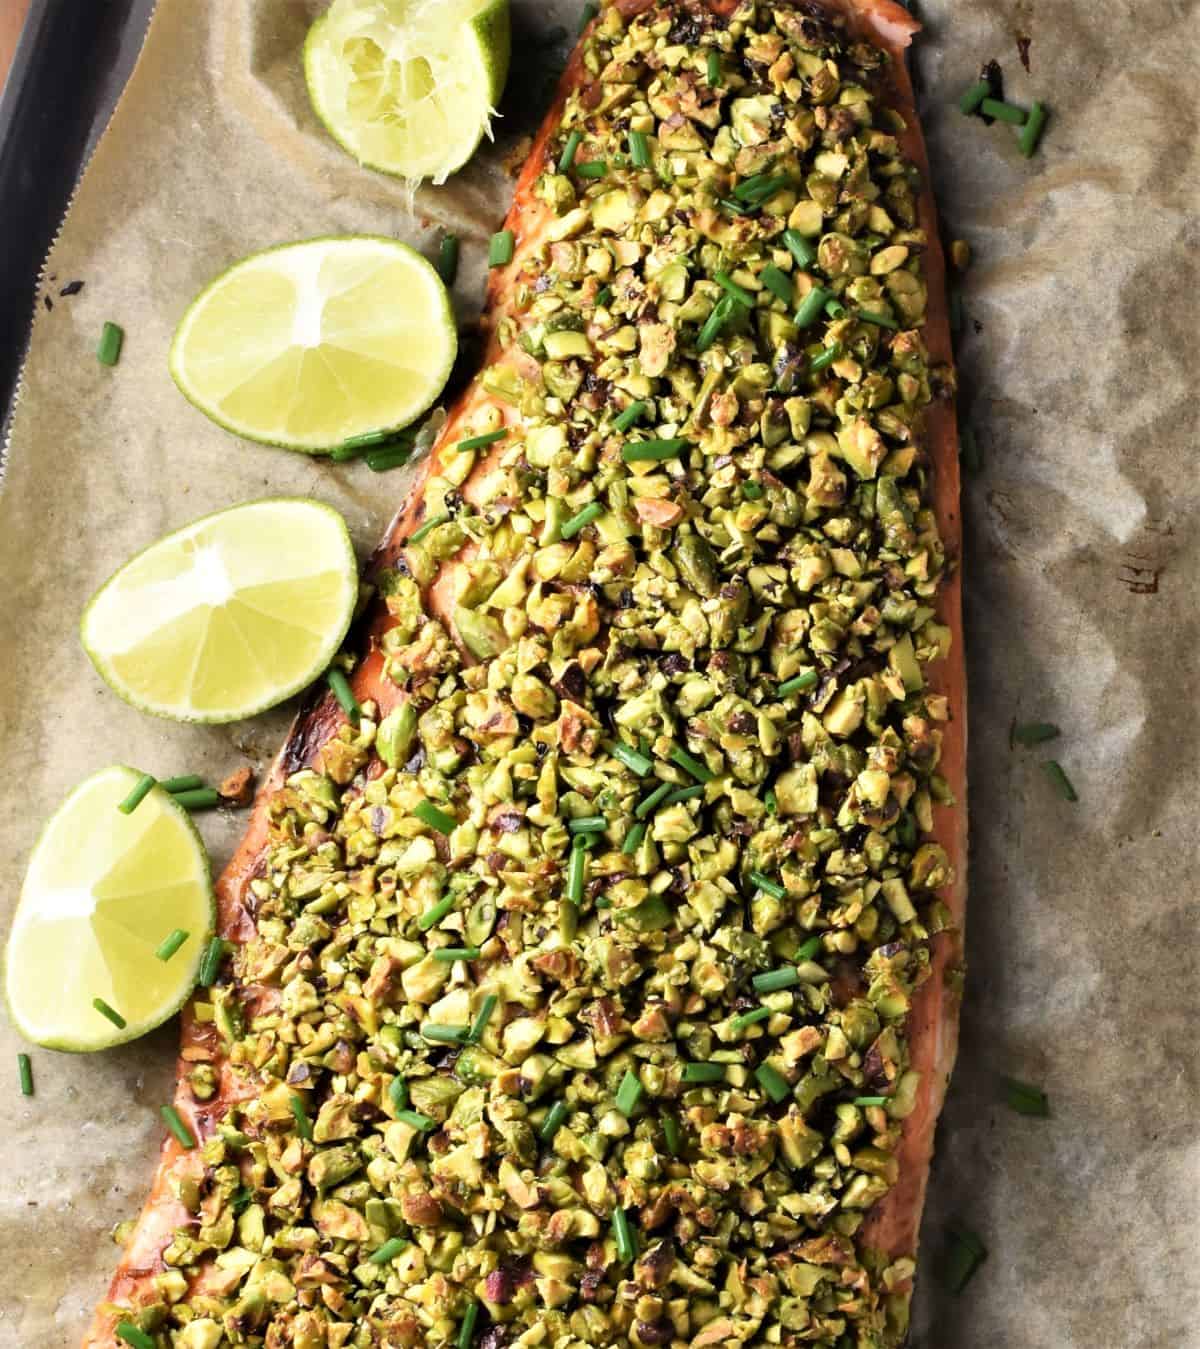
1079	371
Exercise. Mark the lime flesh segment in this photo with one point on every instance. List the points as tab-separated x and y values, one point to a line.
409	86
229	615
102	891
306	345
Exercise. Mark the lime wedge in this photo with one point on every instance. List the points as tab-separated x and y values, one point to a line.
310	344
229	615
409	86
102	892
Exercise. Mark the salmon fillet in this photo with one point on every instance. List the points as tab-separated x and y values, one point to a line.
871	1253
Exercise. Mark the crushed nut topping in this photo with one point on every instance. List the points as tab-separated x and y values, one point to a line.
579	982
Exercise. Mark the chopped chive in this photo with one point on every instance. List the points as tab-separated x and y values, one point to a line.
643	450
448	1035
670	1128
714	323
198	798
879	320
185	782
300	1115
581	518
777	282
825	358
340	454
466	1331
1034	732
367	441
171	944
808	950
633	759
567	158
479	1025
393	456
799	247
603	296
645	806
869	1100
625	419
447	263
110	1012
1062	784
590	10
731	287
386	1253
760	188
603	901
974	96
337	681
415	1120
112	339
745	1019
963	1255
773	1083
714	68
449	954
577	872
752	491
428	527
137	794
25	1074
682	759
787	976
639	149
436	912
835	308
771	801
1003	112
798	683
429	814
500	248
478	442
1031	132
398	1093
173	1121
629	1093
214	953
968	450
626	1244
588	824
736	207
1025	1098
633	840
594	168
703	1072
684	794
768	886
131	1334
811	306
555	1117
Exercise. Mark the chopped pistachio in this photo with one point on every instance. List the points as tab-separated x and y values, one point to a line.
552	1036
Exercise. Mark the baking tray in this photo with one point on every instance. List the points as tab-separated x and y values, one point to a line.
70	66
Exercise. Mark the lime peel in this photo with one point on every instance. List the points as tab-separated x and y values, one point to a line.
409	87
310	344
228	616
101	892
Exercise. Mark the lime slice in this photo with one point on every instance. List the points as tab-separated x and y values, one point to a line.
309	344
409	86
102	893
229	615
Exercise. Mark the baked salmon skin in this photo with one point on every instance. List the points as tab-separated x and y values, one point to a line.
596	983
